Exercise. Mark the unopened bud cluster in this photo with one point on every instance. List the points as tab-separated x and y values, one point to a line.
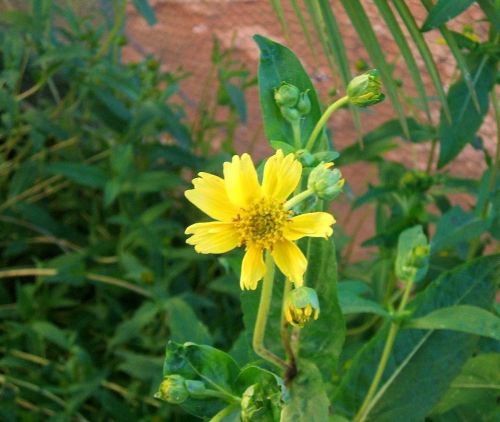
176	389
293	104
325	182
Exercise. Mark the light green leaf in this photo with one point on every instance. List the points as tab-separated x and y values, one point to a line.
422	364
52	333
464	318
443	11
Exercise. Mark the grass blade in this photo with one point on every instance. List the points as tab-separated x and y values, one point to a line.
397	34
426	54
365	31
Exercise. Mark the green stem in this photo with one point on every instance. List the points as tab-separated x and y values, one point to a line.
219	417
297	138
322	121
285	335
297	199
386	353
430	160
262	314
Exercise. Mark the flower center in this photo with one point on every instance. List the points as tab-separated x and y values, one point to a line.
262	224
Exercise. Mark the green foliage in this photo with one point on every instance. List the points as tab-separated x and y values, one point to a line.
95	155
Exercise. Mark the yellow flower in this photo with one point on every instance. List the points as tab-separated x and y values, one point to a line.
255	216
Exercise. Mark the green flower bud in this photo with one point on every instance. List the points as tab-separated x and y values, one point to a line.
305	157
366	89
290	114
173	389
286	95
412	260
304	104
324	182
301	304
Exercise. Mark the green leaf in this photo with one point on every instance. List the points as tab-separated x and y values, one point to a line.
52	333
81	174
421	364
279	64
196	362
465	118
321	341
185	325
352	302
146	11
474	391
308	400
456	228
412	260
443	11
464	318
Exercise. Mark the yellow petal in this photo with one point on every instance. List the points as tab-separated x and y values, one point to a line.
290	260
242	184
281	176
313	224
253	268
209	195
213	237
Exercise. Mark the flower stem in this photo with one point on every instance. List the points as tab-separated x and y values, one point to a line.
297	138
297	199
322	121
285	335
262	314
386	353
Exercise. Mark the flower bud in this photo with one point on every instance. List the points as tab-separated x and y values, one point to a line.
301	304
325	183
304	104
173	389
366	89
290	114
412	260
286	95
305	157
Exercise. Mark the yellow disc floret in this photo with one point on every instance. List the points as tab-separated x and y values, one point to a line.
262	224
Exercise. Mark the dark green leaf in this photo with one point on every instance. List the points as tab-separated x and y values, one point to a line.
81	174
279	64
308	400
352	302
146	11
185	325
465	118
464	318
474	392
443	11
422	364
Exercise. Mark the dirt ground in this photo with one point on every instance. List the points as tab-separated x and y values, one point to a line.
183	38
